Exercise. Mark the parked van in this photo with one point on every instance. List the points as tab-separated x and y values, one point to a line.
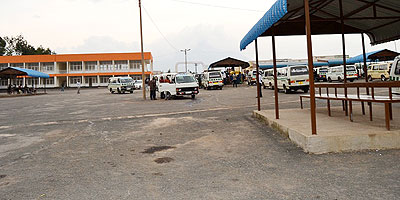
379	71
182	84
320	74
268	79
120	84
293	78
395	73
337	74
252	77
212	79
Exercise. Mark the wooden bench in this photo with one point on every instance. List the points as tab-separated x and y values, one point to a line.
363	98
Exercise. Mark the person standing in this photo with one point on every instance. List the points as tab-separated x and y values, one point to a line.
260	82
79	86
62	86
153	87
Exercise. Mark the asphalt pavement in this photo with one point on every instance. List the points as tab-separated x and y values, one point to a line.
98	145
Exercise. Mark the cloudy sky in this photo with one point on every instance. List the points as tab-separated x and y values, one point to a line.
212	29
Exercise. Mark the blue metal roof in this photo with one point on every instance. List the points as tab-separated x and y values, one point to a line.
285	64
355	59
273	15
32	73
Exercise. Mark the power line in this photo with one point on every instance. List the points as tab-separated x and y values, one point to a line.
165	38
217	6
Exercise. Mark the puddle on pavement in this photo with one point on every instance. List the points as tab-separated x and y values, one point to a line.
154	149
163	160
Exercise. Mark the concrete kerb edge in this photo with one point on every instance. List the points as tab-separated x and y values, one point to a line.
294	137
327	144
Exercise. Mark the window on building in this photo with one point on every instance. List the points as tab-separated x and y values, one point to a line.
20	65
47	66
49	81
135	64
92	78
32	66
30	81
121	65
104	79
91	66
75	80
3	66
75	66
3	82
106	66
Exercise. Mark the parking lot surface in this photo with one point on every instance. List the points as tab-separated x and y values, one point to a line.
99	145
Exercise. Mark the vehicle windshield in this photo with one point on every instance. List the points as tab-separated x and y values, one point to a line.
126	80
215	75
139	81
185	79
350	68
324	70
254	72
296	71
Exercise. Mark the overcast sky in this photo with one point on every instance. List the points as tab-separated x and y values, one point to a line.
212	29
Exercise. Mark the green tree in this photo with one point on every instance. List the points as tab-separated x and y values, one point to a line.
19	46
3	44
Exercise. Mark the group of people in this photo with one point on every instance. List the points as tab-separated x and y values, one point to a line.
13	89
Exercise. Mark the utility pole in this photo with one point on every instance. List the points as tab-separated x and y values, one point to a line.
185	50
141	40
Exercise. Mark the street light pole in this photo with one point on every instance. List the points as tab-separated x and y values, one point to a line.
185	50
141	40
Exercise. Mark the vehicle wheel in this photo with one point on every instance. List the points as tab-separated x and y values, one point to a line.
193	96
220	88
265	87
112	92
270	86
123	91
168	96
329	79
383	78
131	92
351	80
119	91
339	79
369	78
286	90
305	90
162	95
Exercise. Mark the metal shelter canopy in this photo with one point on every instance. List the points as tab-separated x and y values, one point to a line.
229	62
285	64
16	71
380	55
376	18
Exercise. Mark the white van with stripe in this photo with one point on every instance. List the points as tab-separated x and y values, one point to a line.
395	73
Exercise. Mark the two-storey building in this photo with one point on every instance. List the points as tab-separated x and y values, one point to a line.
68	69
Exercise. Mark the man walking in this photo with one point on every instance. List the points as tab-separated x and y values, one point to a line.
153	87
79	86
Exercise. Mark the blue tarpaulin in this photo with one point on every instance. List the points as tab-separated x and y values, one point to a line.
23	72
277	11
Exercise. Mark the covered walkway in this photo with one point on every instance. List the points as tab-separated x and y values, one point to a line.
16	72
376	19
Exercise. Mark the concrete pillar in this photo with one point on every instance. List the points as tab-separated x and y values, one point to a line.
113	66
83	66
67	74
98	80
23	79
98	66
55	82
